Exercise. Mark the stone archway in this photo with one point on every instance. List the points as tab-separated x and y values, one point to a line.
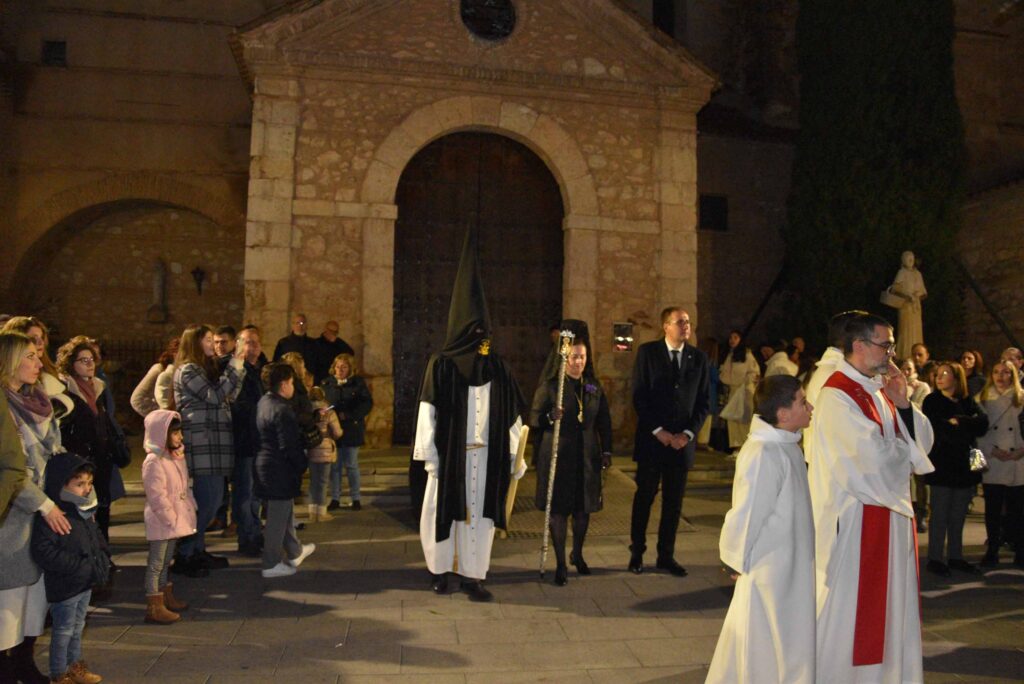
542	134
508	194
94	271
36	225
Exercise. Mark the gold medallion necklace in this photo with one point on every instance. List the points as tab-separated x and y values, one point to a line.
579	400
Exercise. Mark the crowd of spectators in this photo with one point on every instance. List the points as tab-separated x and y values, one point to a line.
222	423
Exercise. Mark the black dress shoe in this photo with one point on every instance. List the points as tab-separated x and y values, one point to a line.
636	564
356	505
963	566
211	562
475	590
673	567
334	505
439	584
561	576
189	567
938	568
581	565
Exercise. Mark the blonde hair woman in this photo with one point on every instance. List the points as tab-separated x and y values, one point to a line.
347	392
36	330
22	594
1002	400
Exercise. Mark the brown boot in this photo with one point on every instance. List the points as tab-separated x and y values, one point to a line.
80	674
156	611
64	679
171	601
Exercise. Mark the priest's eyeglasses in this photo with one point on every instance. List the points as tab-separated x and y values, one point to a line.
889	347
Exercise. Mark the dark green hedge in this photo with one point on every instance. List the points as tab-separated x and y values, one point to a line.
879	163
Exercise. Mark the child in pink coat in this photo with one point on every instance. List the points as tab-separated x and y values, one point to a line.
170	510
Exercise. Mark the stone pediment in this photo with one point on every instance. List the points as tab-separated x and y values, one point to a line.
580	44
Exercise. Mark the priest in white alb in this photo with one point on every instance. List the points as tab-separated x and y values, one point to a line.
867	440
768	541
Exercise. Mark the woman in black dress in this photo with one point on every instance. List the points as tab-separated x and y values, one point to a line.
584	449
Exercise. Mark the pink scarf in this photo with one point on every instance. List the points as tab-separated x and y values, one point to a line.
88	393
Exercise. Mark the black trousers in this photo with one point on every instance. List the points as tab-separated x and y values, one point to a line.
1002	528
672	478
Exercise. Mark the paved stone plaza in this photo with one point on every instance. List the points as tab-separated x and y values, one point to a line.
360	609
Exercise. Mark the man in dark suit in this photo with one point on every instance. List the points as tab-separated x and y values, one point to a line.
670	395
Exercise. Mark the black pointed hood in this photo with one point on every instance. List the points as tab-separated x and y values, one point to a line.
469	322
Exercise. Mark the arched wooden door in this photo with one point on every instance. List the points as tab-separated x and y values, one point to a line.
505	189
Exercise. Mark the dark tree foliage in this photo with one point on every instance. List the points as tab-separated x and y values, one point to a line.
879	163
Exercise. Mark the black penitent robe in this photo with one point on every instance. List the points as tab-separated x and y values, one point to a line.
446	388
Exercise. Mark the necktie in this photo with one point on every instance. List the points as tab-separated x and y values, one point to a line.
675	363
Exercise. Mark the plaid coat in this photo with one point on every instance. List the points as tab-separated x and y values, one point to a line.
206	417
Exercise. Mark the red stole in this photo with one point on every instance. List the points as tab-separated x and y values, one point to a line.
873	585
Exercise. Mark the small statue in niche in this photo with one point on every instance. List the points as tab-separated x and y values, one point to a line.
909	289
157	312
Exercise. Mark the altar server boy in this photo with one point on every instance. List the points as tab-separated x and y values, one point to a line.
768	543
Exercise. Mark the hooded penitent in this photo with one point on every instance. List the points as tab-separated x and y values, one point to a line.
467	360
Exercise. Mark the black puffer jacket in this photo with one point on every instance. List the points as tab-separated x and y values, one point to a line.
76	561
951	452
280	461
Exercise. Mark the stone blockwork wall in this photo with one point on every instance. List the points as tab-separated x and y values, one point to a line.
992	250
100	280
329	147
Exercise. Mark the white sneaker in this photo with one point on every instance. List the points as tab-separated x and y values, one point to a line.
307	550
279	570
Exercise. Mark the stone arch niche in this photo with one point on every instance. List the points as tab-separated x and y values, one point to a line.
539	133
503	189
93	271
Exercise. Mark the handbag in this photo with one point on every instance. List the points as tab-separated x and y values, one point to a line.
978	462
120	454
311	436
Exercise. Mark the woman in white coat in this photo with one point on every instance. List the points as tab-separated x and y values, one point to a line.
1002	400
741	373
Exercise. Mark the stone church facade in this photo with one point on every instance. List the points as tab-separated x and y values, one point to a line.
346	93
253	157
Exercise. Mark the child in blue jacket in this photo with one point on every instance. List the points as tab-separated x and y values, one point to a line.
72	564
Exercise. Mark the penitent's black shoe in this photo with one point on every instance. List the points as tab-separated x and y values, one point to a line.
938	568
672	566
636	564
963	566
561	576
439	584
476	592
581	565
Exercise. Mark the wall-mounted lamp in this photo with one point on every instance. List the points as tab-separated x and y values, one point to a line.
198	275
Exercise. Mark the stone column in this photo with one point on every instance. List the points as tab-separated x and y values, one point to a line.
676	173
378	306
269	236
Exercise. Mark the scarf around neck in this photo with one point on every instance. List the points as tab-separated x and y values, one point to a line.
30	405
86	505
87	390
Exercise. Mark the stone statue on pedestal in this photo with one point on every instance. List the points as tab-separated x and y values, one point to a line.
909	287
